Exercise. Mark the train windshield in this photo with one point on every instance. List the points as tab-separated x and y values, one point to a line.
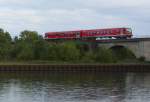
129	30
46	35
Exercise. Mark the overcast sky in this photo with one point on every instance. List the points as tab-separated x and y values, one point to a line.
59	15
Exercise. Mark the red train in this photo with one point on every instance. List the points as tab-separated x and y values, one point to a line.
117	33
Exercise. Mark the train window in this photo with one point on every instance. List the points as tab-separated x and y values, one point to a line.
117	30
94	32
111	31
46	35
77	34
66	35
104	32
88	33
107	31
62	34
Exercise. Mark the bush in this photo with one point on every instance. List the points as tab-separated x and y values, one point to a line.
26	52
31	46
103	55
122	53
88	57
142	58
68	52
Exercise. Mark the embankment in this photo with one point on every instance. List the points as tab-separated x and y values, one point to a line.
78	67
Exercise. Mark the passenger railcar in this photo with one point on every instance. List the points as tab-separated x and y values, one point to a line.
117	33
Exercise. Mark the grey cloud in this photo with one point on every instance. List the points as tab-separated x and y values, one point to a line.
54	15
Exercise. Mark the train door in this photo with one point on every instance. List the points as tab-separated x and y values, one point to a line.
121	32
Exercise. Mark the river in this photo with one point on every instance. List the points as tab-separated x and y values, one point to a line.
74	87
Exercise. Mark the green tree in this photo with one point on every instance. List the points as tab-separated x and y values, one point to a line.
29	35
68	52
103	55
88	57
24	48
54	52
122	53
41	49
5	45
24	51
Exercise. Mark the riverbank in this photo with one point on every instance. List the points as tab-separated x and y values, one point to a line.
76	67
42	62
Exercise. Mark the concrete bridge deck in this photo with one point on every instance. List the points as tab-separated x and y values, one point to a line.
119	40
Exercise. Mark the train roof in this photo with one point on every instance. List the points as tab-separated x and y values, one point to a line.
85	30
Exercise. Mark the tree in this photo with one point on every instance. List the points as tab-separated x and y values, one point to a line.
68	52
122	53
24	51
103	55
88	57
41	49
5	45
24	46
29	35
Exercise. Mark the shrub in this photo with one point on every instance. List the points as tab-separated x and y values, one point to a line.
103	55
122	53
142	58
68	52
88	57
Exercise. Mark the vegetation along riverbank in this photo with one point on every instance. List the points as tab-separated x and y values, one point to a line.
31	48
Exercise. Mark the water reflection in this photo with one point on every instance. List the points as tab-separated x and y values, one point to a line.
74	87
138	87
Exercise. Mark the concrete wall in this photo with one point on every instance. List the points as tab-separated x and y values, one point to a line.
139	48
146	49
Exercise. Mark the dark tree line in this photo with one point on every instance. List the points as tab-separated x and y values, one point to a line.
29	46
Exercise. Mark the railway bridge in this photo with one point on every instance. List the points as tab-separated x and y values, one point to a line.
139	46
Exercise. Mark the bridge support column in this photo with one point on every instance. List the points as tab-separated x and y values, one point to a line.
141	49
146	50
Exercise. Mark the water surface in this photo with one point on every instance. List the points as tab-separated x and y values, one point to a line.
74	87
